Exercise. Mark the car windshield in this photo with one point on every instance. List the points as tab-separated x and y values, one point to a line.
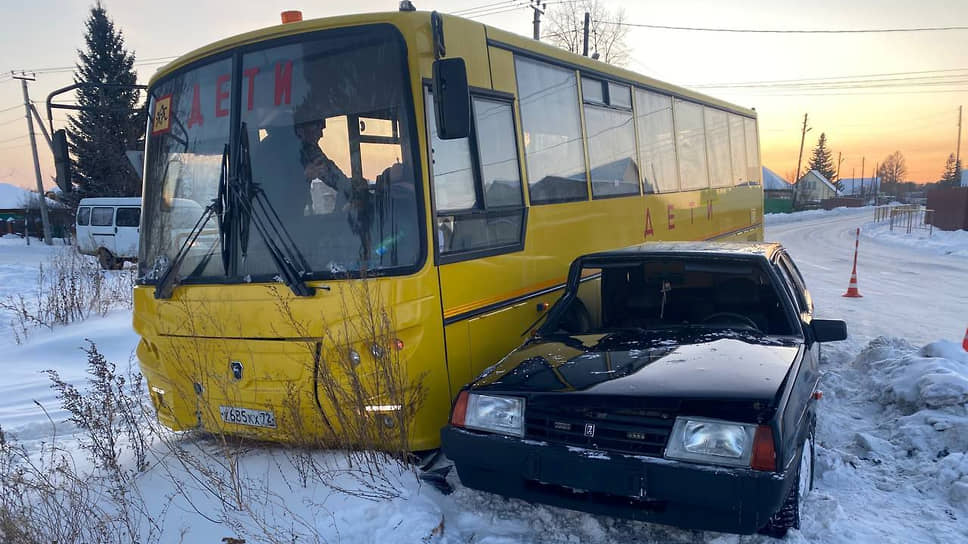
671	294
327	120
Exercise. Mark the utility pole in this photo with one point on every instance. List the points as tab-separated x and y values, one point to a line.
584	49
539	9
876	184
958	151
840	160
44	217
803	136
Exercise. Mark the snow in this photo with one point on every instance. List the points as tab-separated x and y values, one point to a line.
941	242
773	182
15	196
891	442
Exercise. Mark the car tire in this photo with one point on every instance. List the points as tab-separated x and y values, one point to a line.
788	517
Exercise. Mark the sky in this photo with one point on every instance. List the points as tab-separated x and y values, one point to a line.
864	125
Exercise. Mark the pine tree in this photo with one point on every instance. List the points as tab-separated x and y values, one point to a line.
952	172
99	137
822	161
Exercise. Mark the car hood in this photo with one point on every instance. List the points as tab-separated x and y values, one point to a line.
675	365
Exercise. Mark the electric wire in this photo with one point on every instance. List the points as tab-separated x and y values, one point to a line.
785	31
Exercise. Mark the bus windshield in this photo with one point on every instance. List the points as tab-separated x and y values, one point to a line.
328	122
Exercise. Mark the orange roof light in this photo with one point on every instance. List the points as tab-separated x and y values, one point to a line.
291	16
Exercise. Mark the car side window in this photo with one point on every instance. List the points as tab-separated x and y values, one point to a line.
798	278
128	217
102	217
794	285
83	216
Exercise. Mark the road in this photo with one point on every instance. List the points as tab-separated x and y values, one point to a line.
914	294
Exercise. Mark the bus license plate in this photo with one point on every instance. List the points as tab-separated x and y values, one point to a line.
245	416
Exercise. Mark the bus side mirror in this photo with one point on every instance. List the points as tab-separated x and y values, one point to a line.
452	103
62	160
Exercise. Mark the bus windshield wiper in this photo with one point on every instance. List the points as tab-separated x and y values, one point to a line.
293	267
169	278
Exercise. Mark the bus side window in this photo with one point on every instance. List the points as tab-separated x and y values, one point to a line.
477	185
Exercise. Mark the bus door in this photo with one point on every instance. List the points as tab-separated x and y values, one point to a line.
479	222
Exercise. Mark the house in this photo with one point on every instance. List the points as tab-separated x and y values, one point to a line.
863	187
777	193
964	177
812	189
15	205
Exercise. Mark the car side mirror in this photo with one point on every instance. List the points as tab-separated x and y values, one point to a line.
452	102
829	330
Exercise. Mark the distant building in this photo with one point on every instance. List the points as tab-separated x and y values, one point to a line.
777	193
812	189
964	177
859	186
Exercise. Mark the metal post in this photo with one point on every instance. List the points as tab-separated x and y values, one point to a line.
44	217
538	8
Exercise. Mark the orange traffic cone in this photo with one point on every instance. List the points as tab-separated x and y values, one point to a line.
852	291
964	343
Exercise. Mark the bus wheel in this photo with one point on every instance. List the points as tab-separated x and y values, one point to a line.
106	260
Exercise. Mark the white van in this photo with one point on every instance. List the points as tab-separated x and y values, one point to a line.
108	228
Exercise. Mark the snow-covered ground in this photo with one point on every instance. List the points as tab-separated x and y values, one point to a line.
893	431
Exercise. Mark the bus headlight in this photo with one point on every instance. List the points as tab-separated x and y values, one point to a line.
496	414
711	441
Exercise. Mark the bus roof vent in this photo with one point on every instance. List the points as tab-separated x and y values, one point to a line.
291	16
407	5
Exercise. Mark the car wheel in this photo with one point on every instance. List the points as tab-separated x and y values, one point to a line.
105	259
788	517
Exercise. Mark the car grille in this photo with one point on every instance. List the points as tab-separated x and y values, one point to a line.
637	431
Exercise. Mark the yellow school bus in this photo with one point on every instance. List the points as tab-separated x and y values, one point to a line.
287	166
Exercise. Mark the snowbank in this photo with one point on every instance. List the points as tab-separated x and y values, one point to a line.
940	242
806	215
923	395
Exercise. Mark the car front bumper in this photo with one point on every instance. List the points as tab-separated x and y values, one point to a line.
658	490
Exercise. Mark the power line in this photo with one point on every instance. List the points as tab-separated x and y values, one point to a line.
15	106
12	139
828	79
785	31
482	7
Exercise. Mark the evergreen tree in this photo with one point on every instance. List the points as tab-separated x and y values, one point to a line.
822	161
99	137
952	172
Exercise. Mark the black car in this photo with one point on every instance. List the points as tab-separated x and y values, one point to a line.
673	383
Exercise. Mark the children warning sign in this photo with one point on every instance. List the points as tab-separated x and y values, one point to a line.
161	122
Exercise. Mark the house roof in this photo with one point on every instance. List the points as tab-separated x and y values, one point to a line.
773	182
14	197
852	186
813	174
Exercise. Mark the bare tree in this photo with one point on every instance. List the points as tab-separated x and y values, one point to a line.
606	35
892	172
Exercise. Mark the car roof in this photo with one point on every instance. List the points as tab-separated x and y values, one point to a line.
111	201
713	249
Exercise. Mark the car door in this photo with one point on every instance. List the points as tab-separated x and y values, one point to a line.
102	228
126	225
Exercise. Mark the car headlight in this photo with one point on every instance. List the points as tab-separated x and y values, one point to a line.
711	441
495	414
